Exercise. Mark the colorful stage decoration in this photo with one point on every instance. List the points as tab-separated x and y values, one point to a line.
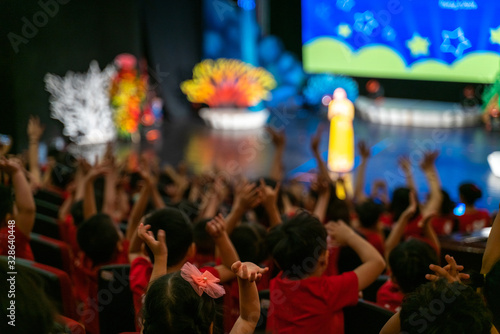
320	86
128	95
419	40
491	105
232	31
81	102
229	87
341	145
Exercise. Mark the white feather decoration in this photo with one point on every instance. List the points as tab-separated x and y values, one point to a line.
81	102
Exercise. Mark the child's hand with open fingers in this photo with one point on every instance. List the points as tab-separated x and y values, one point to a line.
158	247
452	271
339	231
248	271
247	195
216	227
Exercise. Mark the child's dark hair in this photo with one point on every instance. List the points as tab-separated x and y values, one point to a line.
32	304
409	262
447	205
297	244
97	238
249	241
172	306
204	242
6	202
178	233
492	292
444	308
469	193
368	213
77	212
400	201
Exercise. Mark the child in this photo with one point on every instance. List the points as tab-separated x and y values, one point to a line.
16	217
101	243
179	236
442	306
473	219
303	299
368	213
183	301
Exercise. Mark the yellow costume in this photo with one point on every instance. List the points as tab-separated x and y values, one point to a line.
341	147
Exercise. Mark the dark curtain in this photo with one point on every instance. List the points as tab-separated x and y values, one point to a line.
60	35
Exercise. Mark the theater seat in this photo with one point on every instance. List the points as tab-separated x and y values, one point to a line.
49	196
265	301
365	317
74	326
370	293
47	226
46	208
115	298
56	284
51	252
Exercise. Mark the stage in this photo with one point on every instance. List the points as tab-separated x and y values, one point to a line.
463	156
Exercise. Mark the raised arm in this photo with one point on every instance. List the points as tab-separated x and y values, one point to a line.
405	165
431	174
25	204
359	190
315	140
492	251
279	141
89	205
247	274
35	131
372	262
398	229
139	207
217	230
269	199
323	188
246	198
158	247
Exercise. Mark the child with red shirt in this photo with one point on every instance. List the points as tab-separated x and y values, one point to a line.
179	236
303	299
473	219
16	218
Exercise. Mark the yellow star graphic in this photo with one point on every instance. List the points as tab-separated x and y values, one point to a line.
418	45
344	30
495	35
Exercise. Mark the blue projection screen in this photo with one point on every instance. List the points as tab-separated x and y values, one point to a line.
443	40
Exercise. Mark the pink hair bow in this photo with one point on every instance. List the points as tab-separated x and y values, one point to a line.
205	282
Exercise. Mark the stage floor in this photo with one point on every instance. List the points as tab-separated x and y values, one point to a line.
463	151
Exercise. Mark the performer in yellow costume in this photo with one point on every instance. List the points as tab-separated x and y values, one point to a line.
341	148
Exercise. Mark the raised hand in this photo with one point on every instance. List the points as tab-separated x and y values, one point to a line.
278	138
315	140
364	150
247	195
35	128
9	166
339	231
216	228
405	164
451	272
248	271
429	160
268	195
158	247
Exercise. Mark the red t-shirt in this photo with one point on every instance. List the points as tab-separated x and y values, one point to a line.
374	238
474	221
86	287
390	296
21	242
140	273
443	225
311	305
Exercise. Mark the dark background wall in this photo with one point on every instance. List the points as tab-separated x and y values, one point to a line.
72	33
